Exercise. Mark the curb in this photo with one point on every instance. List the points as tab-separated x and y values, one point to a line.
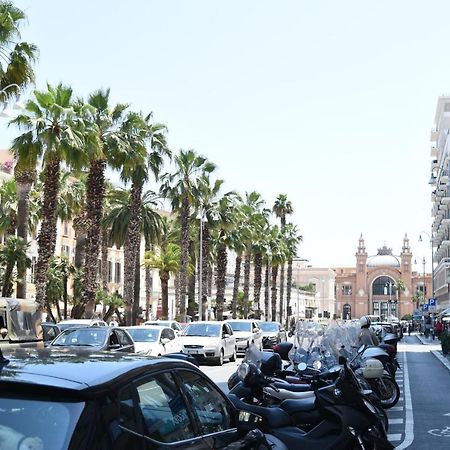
441	358
426	341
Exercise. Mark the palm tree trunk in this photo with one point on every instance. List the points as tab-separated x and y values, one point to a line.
104	265
95	193
247	262
205	268
80	226
288	288
137	291
24	182
184	257
266	292
148	284
65	294
164	277
131	251
237	276
257	283
281	293
222	260
47	234
274	291
7	288
176	285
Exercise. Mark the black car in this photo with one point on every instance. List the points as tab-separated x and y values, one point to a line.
52	399
272	334
95	339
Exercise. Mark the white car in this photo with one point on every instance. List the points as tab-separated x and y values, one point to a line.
166	323
247	332
209	341
154	340
78	323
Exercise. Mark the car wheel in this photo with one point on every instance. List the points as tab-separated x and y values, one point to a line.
220	358
233	356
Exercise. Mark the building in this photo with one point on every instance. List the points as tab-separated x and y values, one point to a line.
373	286
440	199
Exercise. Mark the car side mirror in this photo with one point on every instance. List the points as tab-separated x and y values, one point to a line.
226	335
114	346
165	341
3	332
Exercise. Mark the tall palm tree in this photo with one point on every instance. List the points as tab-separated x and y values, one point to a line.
8	207
103	138
48	125
12	252
179	187
17	58
281	208
292	239
140	133
277	248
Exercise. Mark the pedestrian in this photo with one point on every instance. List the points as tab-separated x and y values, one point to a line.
409	328
438	328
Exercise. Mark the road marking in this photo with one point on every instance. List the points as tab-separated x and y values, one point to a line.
409	423
448	414
441	358
394	437
445	432
395	421
396	408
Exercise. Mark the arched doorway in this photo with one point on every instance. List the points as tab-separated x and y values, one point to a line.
384	297
347	312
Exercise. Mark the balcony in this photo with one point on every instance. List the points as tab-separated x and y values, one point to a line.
434	135
433	152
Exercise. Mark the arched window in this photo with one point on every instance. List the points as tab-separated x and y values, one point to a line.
384	286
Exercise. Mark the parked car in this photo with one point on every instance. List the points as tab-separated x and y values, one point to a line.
50	330
95	339
213	341
246	332
272	333
72	323
154	340
176	326
76	401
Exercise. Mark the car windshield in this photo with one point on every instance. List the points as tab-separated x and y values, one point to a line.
203	329
241	326
143	335
159	323
90	337
37	424
269	326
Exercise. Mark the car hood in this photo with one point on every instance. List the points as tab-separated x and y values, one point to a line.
144	346
200	340
270	333
242	334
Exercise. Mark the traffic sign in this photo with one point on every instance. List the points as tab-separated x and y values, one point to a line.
431	302
425	307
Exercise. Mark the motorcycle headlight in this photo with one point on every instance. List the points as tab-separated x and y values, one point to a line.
243	371
370	407
317	364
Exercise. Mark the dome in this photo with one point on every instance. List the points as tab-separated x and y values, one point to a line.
384	257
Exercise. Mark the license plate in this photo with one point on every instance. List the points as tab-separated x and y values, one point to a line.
193	352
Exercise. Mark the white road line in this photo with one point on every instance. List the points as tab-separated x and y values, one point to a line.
395	421
396	408
409	423
394	437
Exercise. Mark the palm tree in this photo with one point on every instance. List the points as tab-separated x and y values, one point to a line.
48	125
58	275
292	239
103	138
17	58
167	262
399	287
8	207
277	248
12	252
179	187
281	208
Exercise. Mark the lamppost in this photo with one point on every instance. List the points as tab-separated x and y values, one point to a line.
200	216
432	266
268	315
389	285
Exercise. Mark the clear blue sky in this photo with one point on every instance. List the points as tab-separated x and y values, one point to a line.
330	102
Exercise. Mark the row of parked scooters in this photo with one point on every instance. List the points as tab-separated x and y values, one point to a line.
322	391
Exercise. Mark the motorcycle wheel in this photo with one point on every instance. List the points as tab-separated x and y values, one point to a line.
387	390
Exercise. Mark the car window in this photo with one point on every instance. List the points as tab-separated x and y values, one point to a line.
213	412
159	402
113	340
229	329
170	334
49	332
124	339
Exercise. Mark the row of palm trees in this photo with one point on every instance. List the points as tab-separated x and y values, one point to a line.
74	141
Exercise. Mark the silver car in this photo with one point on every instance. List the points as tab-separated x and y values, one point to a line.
247	332
213	341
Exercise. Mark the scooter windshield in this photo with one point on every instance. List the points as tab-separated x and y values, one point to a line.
307	343
253	355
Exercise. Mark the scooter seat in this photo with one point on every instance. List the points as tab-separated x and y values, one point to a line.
295	406
293	387
285	394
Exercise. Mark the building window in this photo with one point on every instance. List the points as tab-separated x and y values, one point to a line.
66	228
117	273
347	312
110	270
446	107
346	289
384	286
65	250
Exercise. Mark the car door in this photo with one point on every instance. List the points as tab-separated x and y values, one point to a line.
155	408
173	346
214	413
125	341
230	340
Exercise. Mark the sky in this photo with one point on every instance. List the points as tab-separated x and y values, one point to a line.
330	102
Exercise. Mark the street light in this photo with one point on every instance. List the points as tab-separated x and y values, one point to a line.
269	302
432	266
201	216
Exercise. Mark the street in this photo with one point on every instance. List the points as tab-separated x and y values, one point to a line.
421	418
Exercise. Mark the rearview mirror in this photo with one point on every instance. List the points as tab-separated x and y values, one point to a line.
226	335
165	341
3	332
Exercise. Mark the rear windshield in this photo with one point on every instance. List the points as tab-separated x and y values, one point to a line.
241	326
269	326
36	424
203	329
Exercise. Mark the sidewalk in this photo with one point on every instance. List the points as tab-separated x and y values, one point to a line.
444	359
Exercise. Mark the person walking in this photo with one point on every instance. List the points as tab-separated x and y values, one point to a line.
409	328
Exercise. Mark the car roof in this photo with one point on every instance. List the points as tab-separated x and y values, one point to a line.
79	321
242	320
143	327
81	372
207	322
